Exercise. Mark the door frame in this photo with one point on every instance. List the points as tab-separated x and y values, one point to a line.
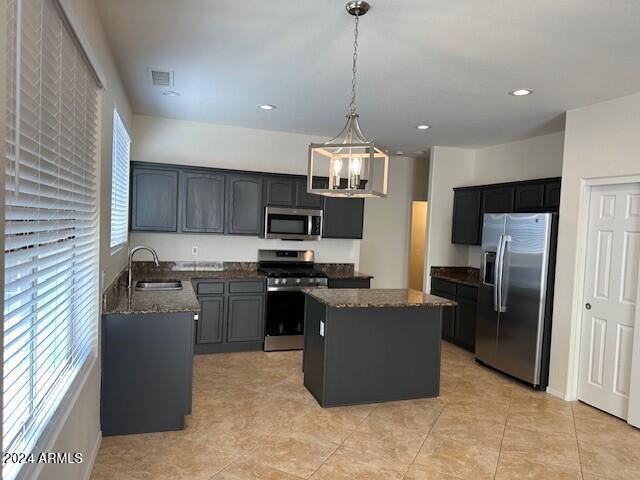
578	293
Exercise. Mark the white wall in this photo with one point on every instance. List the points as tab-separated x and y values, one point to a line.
449	167
601	141
81	430
167	140
384	249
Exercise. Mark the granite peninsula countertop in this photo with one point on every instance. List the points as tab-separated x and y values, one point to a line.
340	271
463	275
376	298
120	299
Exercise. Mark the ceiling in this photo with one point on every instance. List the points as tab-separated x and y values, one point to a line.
446	63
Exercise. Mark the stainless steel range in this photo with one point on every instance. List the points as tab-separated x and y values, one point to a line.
288	272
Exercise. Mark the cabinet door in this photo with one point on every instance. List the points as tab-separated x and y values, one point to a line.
552	195
244	204
465	327
279	192
303	199
498	200
202	202
529	197
211	321
448	315
154	199
466	217
343	217
245	318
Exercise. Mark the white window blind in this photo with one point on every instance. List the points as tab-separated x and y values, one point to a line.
51	251
119	182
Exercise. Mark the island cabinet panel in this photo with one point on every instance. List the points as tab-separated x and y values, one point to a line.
466	216
146	372
280	192
154	199
212	319
371	354
202	199
245	319
304	199
244	204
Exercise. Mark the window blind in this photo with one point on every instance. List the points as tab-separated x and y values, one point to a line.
51	251
119	182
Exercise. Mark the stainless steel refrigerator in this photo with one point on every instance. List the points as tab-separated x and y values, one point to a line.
515	297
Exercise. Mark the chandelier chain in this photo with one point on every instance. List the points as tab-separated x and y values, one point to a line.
352	105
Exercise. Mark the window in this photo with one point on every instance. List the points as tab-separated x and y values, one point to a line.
119	182
51	247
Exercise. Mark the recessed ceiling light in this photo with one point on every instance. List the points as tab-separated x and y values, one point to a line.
418	152
423	127
266	106
171	93
399	152
521	92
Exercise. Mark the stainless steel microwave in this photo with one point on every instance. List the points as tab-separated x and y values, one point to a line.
292	223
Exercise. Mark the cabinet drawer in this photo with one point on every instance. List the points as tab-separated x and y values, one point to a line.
468	292
349	283
210	288
246	287
443	286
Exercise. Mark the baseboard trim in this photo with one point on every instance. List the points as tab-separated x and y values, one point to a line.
91	461
559	394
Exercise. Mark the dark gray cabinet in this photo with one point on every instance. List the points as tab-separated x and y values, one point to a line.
244	204
466	216
471	203
154	199
343	217
211	321
355	282
279	192
303	199
245	318
458	323
202	202
231	315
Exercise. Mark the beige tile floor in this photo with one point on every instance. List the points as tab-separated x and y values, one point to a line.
253	419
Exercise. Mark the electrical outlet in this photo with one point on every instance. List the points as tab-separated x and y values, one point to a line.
194	250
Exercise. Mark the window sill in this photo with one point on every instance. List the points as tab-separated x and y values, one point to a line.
117	248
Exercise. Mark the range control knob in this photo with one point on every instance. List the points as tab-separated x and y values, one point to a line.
298	281
276	281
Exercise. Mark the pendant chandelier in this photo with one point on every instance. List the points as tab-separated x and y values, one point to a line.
349	165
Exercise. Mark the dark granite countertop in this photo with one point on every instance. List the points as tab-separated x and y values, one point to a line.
119	299
376	298
463	275
340	271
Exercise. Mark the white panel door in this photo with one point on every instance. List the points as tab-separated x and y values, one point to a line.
611	291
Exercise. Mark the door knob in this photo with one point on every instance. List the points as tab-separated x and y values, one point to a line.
588	306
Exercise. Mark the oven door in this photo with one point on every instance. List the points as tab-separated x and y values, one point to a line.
290	224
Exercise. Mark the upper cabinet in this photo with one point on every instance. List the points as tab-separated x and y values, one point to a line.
202	202
466	216
279	192
170	198
154	199
471	203
244	204
304	199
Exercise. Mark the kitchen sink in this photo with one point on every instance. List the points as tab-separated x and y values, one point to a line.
159	285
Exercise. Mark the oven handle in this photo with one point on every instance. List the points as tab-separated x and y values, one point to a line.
293	289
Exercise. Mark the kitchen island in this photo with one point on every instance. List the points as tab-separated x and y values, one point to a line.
372	345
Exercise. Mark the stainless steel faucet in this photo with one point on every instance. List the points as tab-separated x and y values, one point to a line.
134	250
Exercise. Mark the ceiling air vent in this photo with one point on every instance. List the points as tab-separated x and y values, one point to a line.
161	78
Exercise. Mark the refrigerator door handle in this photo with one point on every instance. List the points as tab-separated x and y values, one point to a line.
504	239
497	269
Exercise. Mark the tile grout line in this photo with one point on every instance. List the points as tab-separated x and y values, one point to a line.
575	430
344	440
504	431
424	441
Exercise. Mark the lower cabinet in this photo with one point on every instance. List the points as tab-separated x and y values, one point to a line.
231	315
458	323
